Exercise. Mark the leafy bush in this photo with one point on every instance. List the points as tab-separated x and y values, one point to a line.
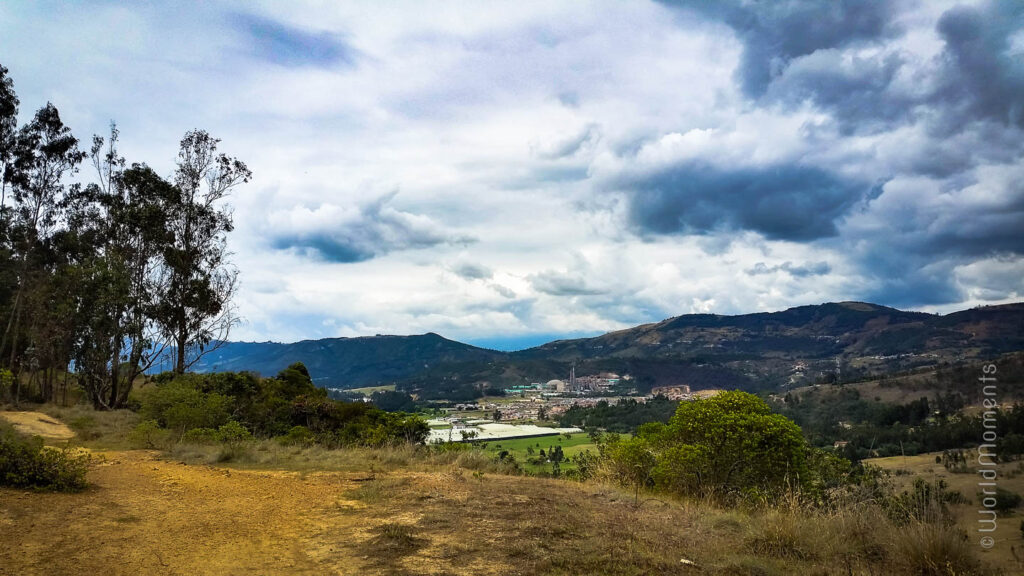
182	405
926	502
233	433
148	434
201	436
1006	500
297	436
27	463
728	445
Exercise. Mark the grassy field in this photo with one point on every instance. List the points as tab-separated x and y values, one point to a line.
571	446
366	391
1009	543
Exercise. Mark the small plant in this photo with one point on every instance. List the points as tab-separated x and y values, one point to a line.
149	435
200	436
394	538
236	439
1006	500
233	433
935	549
297	436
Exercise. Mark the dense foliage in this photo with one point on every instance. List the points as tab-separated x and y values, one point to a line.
871	428
393	401
728	446
625	416
222	405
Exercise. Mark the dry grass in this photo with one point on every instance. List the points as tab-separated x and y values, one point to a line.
1009	542
102	430
936	550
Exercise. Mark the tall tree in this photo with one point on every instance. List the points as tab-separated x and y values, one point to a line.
8	267
123	216
196	313
8	126
45	153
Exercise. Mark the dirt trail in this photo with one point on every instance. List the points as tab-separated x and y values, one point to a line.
38	424
147	516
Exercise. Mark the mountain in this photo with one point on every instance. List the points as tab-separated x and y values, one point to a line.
828	342
347	362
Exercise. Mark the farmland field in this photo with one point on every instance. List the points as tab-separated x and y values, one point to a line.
576	443
367	390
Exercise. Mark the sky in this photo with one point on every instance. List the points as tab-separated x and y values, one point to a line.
509	173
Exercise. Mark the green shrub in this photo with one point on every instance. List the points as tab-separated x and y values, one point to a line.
233	433
149	435
288	405
1006	500
730	445
182	405
297	436
201	436
27	463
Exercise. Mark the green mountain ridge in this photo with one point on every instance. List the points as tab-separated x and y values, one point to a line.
797	346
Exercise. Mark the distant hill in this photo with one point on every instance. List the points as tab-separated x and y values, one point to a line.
347	362
834	341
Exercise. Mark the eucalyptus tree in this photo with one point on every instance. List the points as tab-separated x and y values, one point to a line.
44	154
195	313
8	126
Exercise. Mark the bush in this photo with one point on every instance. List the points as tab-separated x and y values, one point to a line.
149	435
27	463
730	445
297	436
233	433
181	405
1006	500
935	550
232	407
201	436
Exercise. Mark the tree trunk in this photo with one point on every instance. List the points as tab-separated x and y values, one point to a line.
115	373
14	321
179	364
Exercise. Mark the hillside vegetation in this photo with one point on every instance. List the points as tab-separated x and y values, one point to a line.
809	344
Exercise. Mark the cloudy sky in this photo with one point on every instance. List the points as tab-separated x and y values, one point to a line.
505	173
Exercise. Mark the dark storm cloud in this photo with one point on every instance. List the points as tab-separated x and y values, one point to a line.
964	114
793	52
367	232
799	271
856	90
915	261
982	79
773	33
288	46
787	202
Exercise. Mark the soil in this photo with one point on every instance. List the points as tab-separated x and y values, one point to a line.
38	424
147	516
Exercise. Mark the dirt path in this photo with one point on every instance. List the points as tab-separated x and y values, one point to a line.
146	516
38	424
